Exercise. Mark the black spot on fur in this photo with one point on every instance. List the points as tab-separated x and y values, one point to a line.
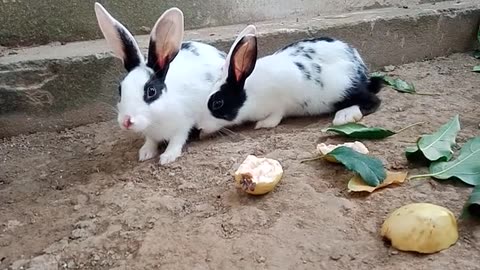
189	46
194	134
310	51
308	76
317	68
222	54
132	59
305	105
300	43
300	66
317	71
186	45
308	56
298	50
302	69
209	77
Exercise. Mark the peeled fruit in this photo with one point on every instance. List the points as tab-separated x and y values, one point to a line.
421	227
258	176
325	149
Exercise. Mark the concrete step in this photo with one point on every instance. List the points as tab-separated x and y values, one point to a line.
24	23
56	87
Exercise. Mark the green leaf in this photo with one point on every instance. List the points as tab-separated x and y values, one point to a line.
478	34
403	86
370	169
466	167
397	84
476	69
359	131
476	54
472	206
438	145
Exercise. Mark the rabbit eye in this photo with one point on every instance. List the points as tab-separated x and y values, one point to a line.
151	91
217	104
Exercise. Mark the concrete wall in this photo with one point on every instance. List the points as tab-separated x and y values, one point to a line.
27	22
56	87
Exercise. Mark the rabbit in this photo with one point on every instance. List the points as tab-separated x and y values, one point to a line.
309	77
160	96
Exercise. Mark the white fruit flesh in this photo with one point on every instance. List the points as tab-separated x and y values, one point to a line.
258	175
357	146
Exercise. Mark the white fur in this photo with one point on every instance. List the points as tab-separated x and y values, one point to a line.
177	110
277	88
172	115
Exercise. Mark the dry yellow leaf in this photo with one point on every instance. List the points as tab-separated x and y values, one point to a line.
356	184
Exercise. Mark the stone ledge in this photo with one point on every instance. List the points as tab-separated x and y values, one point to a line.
56	87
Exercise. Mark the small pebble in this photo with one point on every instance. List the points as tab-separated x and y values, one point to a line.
335	257
261	259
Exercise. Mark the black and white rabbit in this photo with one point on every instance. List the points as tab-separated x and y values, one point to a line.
162	96
309	77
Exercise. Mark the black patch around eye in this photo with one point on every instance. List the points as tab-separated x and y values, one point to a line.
231	100
217	104
152	90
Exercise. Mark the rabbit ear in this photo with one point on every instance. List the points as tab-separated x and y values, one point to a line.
243	59
249	30
165	40
119	39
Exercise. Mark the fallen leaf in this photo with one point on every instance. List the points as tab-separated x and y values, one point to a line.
359	131
397	84
472	206
466	167
356	184
476	54
438	145
371	169
476	69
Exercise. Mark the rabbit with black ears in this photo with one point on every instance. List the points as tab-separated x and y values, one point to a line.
309	77
162	96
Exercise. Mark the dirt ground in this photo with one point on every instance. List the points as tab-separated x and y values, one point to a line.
79	199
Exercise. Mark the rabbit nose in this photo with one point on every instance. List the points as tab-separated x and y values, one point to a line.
127	122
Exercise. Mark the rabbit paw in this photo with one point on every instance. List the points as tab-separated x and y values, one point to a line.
270	122
149	150
169	157
351	114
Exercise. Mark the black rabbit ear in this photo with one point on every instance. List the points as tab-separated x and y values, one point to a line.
119	39
243	59
165	40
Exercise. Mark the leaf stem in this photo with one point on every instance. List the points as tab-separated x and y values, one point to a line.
419	176
427	94
310	159
409	126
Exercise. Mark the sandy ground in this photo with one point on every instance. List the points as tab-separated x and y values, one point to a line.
80	200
